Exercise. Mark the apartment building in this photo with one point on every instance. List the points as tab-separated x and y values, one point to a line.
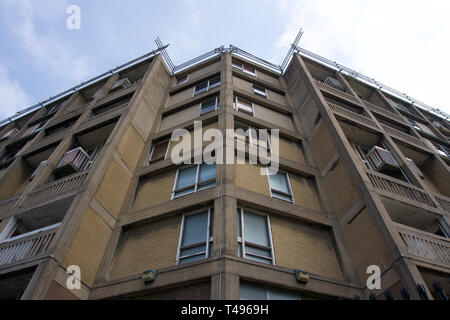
88	180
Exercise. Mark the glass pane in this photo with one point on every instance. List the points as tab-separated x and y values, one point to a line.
240	250
251	292
239	223
279	182
195	227
259	90
201	87
214	82
244	105
249	69
187	252
211	223
186	177
207	106
182	193
260	252
206	186
249	257
282	295
281	196
255	229
207	172
190	259
159	151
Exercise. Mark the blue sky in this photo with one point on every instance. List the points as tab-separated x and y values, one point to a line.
401	43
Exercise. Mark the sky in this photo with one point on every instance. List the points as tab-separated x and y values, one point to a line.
404	44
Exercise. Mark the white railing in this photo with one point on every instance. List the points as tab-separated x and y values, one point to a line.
8	204
425	245
352	115
28	245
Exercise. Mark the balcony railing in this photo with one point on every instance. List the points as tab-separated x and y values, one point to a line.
425	245
383	111
105	115
130	88
336	92
352	115
30	245
382	158
399	188
444	201
404	136
53	189
8	204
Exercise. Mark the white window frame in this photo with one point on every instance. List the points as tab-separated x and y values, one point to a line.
196	183
240	66
415	125
273	194
153	149
259	92
200	113
236	106
251	138
208	85
178	83
209	241
241	238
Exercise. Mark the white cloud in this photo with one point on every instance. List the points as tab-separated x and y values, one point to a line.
12	96
403	44
47	50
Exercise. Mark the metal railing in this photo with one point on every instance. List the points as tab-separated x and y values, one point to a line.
399	188
352	115
108	112
425	245
8	204
131	87
29	245
55	188
383	111
404	136
443	201
336	92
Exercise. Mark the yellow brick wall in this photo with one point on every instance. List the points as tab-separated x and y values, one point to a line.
305	192
88	245
113	188
130	147
291	150
365	244
306	247
150	246
248	177
205	143
154	189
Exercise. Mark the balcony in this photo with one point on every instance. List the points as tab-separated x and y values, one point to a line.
120	92
54	189
8	204
103	116
322	86
425	245
382	159
383	111
404	136
359	118
390	186
443	201
28	246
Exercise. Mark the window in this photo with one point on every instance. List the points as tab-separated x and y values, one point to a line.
255	137
401	107
280	186
182	79
39	126
209	105
159	150
254	237
260	90
207	84
193	179
244	67
415	125
196	236
249	291
443	151
242	104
